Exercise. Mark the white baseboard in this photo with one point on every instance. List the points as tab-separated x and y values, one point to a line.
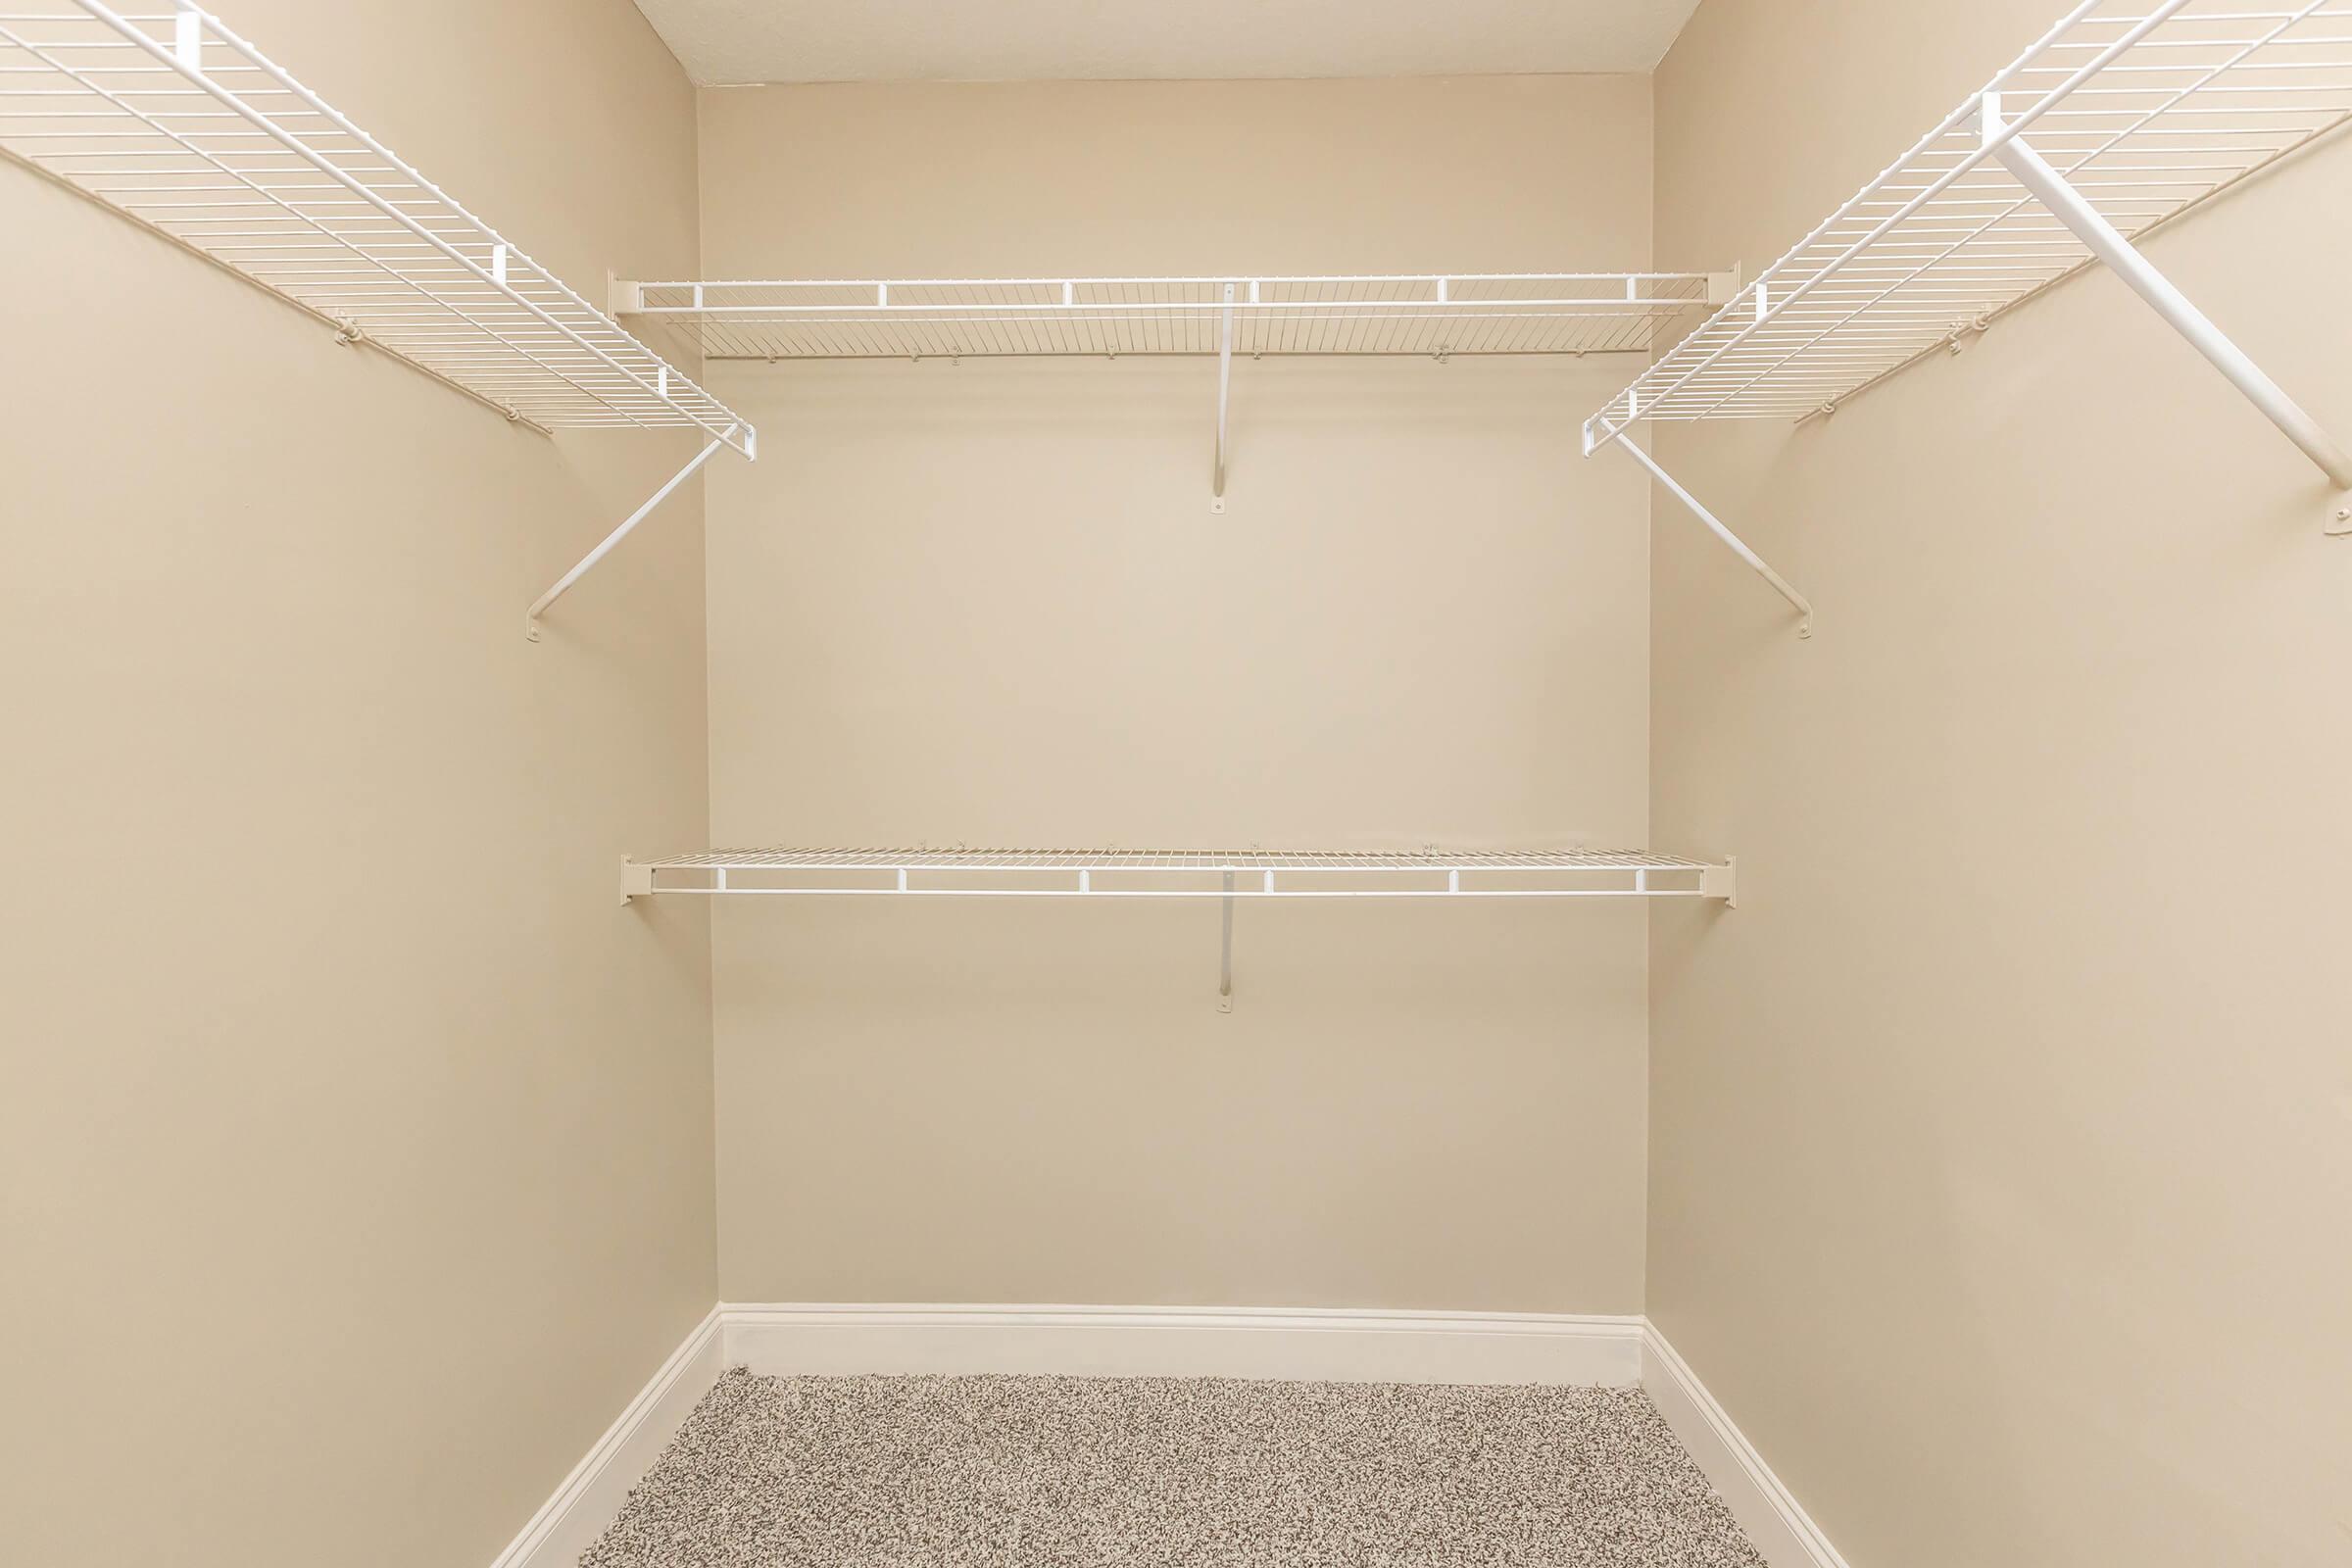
590	1498
1368	1346
1779	1529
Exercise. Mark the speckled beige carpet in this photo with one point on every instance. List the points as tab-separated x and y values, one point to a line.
998	1472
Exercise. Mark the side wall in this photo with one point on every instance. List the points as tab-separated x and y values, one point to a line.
355	1147
2002	1142
986	603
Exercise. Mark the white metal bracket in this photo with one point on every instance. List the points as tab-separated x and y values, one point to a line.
636	881
2108	243
1722	882
1216	499
1804	607
541	605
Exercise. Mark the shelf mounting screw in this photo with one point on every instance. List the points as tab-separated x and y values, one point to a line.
2339	521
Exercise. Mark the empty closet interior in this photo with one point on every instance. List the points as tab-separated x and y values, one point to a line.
876	768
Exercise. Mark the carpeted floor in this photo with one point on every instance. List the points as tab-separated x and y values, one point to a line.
1000	1472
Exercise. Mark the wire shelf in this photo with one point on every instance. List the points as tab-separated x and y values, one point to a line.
2147	108
177	122
1560	313
1236	873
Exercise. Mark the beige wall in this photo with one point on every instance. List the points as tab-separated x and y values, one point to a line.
987	604
2002	1143
355	1148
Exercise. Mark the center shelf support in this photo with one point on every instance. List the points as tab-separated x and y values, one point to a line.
541	605
1804	607
1216	499
2105	241
1225	961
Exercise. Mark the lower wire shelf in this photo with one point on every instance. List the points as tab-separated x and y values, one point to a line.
1225	875
1182	874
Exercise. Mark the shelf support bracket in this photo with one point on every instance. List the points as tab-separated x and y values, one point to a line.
636	881
1216	499
1804	607
2105	241
541	605
1225	961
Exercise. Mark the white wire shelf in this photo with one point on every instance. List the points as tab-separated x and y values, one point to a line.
177	122
1557	313
1180	874
2144	109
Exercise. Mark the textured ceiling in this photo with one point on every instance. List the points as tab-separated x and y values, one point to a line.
1020	40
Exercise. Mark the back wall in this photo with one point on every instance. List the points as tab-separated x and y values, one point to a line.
986	603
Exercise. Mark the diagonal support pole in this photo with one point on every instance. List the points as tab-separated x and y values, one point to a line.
539	606
2105	241
1217	500
1805	606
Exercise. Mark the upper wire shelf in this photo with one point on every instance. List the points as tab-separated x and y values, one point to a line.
2146	110
1551	313
182	125
1181	874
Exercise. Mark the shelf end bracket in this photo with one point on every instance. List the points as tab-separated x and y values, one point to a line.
636	881
541	605
2108	243
1721	882
1738	547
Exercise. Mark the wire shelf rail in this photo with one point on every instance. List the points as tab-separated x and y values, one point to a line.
1490	313
177	122
2144	109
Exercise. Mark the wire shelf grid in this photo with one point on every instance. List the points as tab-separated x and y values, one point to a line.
177	122
1563	313
2147	108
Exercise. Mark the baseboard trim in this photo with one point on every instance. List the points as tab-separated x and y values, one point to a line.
1766	1509
1339	1347
1368	1346
590	1498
